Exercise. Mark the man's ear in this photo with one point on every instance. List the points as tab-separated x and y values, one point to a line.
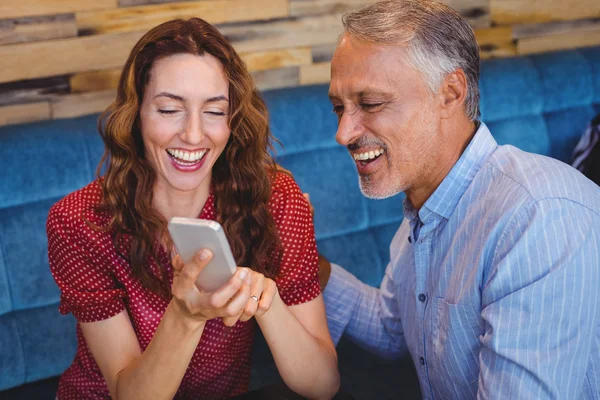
453	93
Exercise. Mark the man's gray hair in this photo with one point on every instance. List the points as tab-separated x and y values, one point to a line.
439	41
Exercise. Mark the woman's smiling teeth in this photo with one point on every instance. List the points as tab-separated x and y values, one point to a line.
368	155
183	157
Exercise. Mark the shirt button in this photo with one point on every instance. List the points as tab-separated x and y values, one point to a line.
422	298
422	361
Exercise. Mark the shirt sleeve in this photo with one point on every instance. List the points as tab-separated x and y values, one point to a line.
367	315
298	277
540	304
88	289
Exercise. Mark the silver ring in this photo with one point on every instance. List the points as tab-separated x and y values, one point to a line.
254	297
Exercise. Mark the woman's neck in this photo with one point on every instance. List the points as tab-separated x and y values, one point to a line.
171	202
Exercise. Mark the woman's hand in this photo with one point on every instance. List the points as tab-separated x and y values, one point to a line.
263	291
228	302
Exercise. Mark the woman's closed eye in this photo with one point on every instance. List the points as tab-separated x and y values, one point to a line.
217	113
167	111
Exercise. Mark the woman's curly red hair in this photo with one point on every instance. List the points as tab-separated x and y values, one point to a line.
241	177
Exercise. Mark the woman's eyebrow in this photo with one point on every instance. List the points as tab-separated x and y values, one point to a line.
169	95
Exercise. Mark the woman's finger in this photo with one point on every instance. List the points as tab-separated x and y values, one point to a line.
221	297
234	309
177	263
190	271
269	291
256	289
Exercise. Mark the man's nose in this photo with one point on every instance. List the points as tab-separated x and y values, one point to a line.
349	128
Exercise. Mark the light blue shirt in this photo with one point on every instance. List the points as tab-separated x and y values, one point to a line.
493	285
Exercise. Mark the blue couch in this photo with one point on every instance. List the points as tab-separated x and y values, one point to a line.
540	104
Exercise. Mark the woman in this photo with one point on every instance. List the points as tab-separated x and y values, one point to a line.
187	136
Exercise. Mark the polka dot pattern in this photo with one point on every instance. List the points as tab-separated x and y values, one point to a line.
97	284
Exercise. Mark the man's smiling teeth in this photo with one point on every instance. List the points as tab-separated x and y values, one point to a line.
188	156
368	155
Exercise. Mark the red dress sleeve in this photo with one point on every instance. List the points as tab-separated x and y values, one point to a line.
78	265
298	278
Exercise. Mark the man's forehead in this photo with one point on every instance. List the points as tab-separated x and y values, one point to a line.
359	90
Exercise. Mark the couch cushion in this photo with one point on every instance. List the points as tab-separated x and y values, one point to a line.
51	158
302	118
592	55
25	247
12	363
565	129
509	88
358	253
527	133
562	90
35	344
331	179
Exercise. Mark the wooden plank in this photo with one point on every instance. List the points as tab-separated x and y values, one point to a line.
496	42
277	78
315	73
65	56
92	81
323	53
33	29
310	31
129	3
146	17
33	91
259	61
21	113
275	59
559	41
534	11
27	8
475	11
521	31
76	105
299	8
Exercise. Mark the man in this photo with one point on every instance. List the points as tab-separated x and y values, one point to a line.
493	284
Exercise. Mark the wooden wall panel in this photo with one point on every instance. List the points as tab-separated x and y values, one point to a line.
62	58
277	78
496	42
320	7
559	41
67	56
74	105
477	12
310	31
146	17
31	29
315	73
530	11
21	113
264	60
27	8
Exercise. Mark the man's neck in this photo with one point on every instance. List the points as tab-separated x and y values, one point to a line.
459	138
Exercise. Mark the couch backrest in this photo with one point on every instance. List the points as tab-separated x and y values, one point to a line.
540	104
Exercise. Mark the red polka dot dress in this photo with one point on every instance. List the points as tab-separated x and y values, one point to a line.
96	284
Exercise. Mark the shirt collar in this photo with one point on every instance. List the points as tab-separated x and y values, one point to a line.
445	198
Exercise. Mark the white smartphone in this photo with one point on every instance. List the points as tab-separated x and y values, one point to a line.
190	235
